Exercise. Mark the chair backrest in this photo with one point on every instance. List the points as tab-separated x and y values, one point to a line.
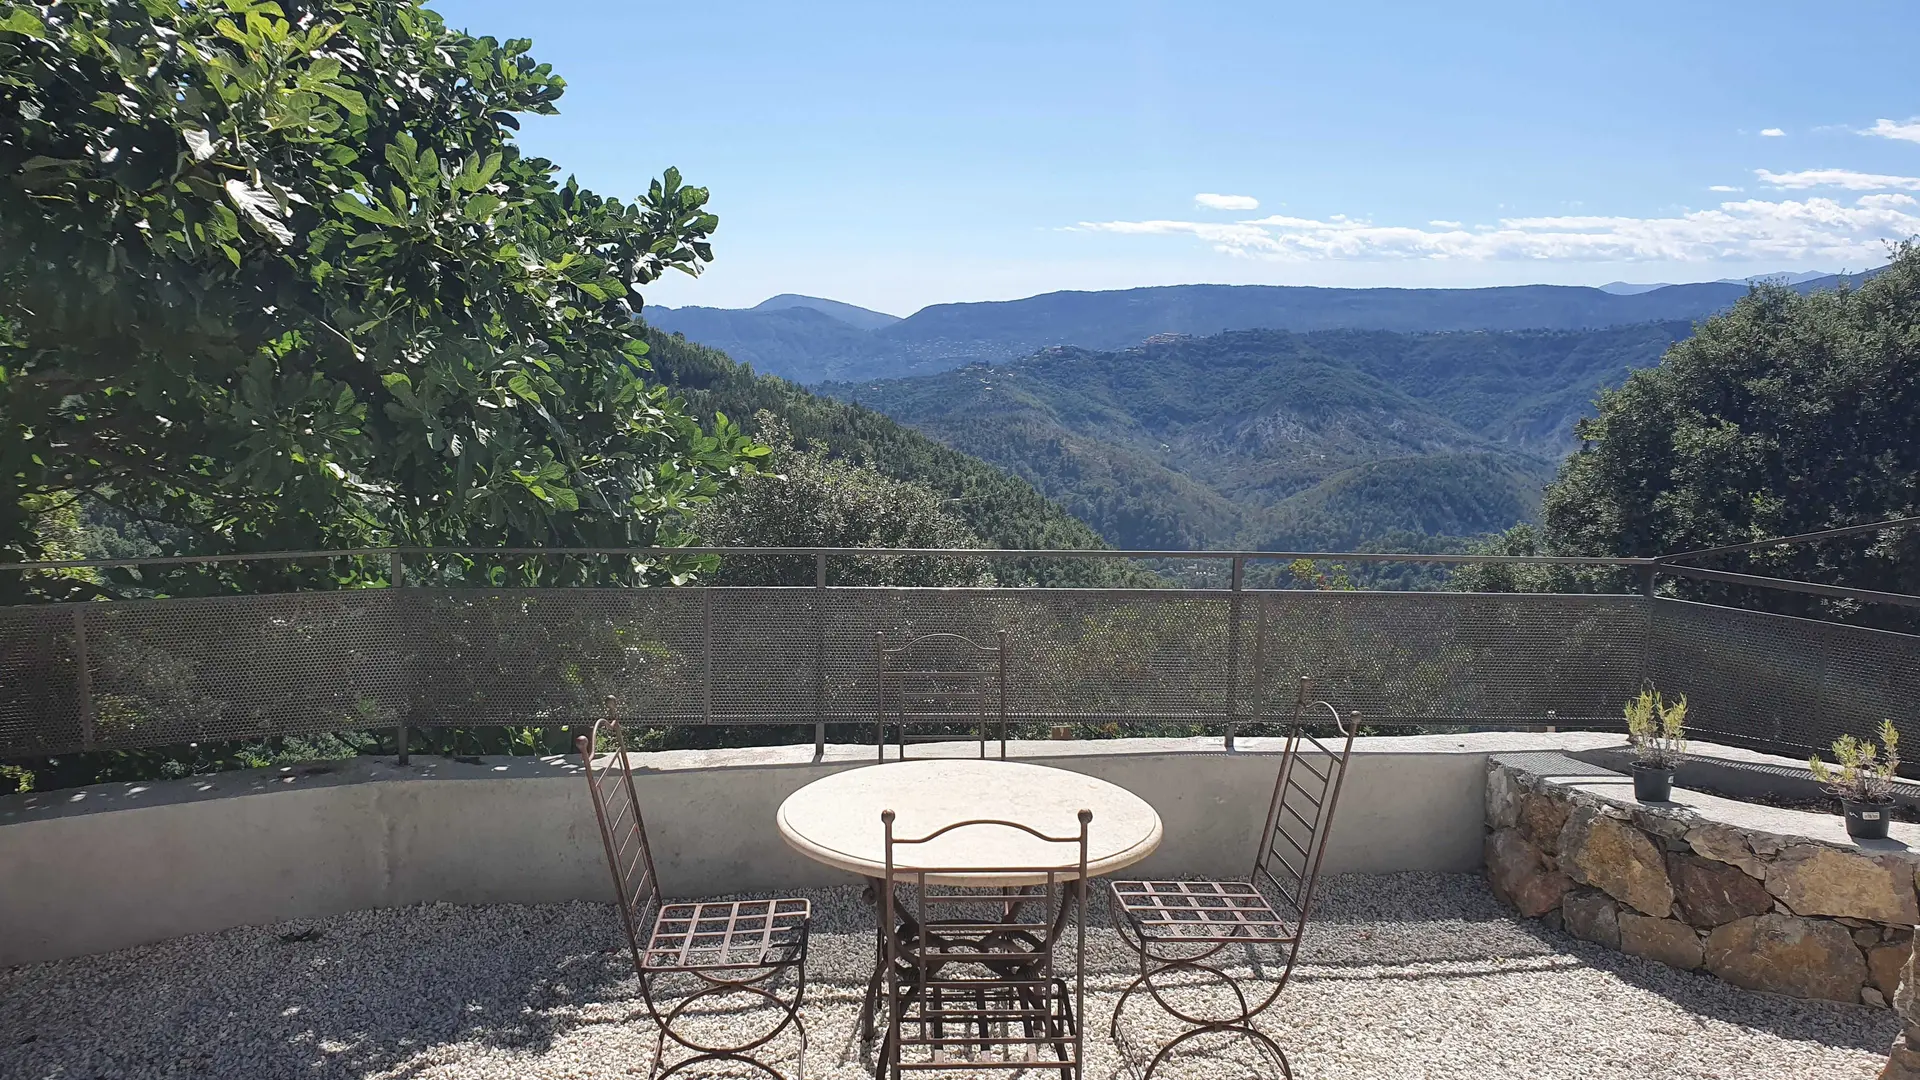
635	884
940	688
978	948
1300	815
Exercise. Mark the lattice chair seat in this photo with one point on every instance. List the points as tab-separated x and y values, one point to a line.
717	935
1201	911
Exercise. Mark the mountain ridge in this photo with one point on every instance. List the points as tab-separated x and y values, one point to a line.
851	314
941	337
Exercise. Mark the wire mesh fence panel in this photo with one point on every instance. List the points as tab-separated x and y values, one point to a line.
40	694
1074	655
1455	658
765	657
1782	684
243	667
544	656
1106	661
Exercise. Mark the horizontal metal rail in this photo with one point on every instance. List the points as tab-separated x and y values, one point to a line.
1798	538
1839	592
831	552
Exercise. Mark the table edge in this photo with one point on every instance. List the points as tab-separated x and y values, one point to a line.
877	870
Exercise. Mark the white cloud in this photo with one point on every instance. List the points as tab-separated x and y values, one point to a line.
1812	229
1442	224
1888	202
1207	201
1840	178
1772	133
1723	188
1887	129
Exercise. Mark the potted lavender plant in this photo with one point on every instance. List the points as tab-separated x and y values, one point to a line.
1658	731
1864	780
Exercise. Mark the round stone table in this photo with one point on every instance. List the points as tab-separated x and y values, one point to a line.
836	819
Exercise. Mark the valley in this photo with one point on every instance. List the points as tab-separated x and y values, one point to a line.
1277	418
1277	440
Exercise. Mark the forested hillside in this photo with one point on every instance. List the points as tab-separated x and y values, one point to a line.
1790	414
1002	510
1271	439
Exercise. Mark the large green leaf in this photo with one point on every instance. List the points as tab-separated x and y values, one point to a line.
337	307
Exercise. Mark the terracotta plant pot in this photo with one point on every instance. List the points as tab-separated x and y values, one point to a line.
1652	783
1867	820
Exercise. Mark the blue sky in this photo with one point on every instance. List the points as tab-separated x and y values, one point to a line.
901	154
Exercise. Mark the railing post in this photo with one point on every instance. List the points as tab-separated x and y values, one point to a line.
1647	637
819	655
397	579
1259	664
83	676
1238	579
706	655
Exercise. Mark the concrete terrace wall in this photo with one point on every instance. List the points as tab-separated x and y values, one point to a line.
101	868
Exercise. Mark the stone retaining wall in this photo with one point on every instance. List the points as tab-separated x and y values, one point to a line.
1695	885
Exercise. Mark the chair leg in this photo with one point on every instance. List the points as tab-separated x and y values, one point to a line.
1241	1023
742	1053
1248	1030
983	1026
870	1005
800	1066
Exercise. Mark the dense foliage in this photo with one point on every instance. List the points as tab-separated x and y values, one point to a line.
1789	414
276	276
1325	441
816	500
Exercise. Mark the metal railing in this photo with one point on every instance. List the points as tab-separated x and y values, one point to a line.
140	673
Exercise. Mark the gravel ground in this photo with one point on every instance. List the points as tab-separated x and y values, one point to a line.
1405	976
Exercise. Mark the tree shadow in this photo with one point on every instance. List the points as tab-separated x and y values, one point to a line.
1366	917
367	992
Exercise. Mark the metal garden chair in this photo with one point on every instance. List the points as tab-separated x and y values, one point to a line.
725	946
939	688
974	979
1182	926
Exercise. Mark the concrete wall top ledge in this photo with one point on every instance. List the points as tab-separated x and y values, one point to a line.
1597	783
103	798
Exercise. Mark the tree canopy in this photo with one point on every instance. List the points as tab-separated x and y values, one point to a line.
1788	414
816	500
276	275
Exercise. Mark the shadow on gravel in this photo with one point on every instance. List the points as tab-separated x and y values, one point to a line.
1828	1023
372	992
406	992
1456	920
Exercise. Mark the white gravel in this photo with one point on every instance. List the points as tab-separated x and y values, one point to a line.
1406	976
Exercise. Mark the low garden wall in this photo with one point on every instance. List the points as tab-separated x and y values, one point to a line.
1762	897
104	867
